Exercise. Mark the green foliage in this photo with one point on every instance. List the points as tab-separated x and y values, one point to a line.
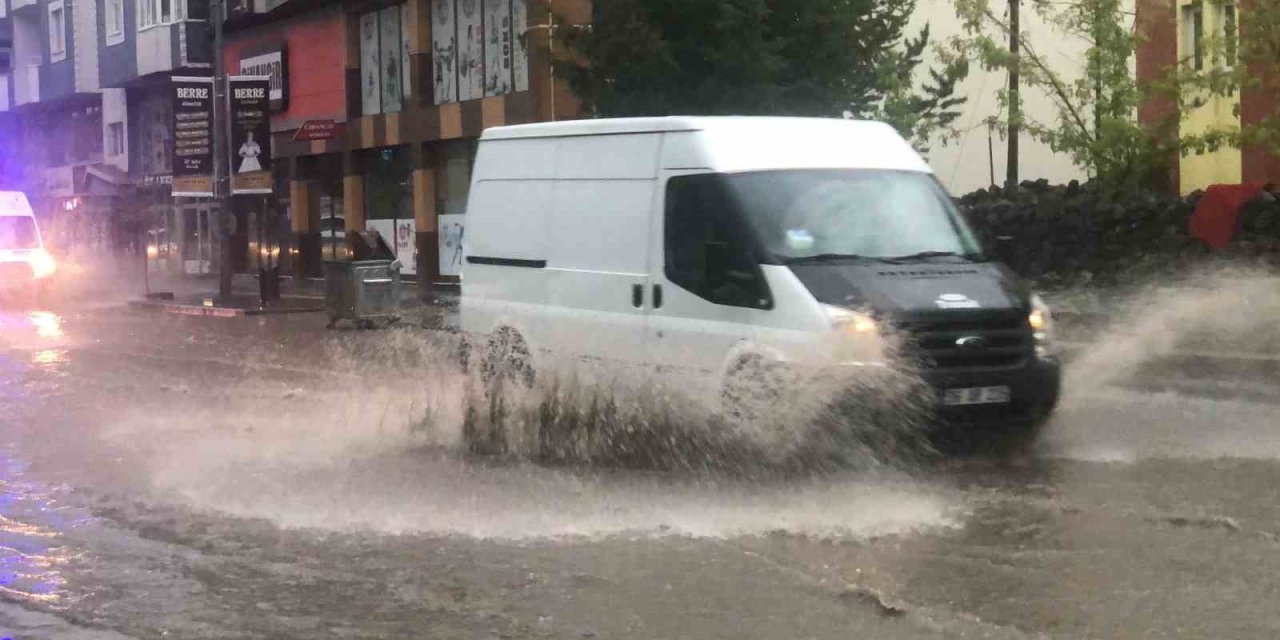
760	57
1095	105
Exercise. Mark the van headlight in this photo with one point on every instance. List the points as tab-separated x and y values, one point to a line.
42	264
851	322
1041	321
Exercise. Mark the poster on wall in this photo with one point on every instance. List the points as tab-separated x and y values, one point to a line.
249	119
370	74
470	50
444	50
497	47
193	137
406	73
450	239
389	55
407	246
520	53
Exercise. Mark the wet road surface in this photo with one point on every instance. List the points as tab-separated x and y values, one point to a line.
170	477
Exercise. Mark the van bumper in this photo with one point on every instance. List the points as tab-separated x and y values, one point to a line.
1034	389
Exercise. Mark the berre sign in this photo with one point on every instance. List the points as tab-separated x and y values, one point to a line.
250	135
192	137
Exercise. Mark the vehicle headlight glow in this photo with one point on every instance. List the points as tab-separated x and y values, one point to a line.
851	322
42	264
1041	321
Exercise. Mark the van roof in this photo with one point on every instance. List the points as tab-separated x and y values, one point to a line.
614	126
14	203
739	143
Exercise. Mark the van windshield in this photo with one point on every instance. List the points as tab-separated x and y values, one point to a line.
18	232
810	215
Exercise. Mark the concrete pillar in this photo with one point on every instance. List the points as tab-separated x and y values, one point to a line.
424	217
304	217
353	191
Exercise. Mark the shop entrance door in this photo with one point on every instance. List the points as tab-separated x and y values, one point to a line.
197	241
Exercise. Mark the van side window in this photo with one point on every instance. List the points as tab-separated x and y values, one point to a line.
709	251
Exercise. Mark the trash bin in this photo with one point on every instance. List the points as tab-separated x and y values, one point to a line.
366	290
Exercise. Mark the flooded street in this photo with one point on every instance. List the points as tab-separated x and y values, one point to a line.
171	477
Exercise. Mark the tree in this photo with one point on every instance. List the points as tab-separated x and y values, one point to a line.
760	57
1095	104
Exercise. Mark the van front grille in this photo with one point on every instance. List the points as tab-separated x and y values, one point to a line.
974	340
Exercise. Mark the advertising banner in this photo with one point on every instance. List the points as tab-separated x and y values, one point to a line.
192	137
390	59
370	65
497	47
407	246
450	239
470	50
274	63
520	54
249	118
444	51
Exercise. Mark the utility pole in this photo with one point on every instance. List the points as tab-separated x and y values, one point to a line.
1015	100
221	180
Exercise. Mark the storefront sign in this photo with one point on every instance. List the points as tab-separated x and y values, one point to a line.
273	63
249	106
451	232
192	137
317	130
157	180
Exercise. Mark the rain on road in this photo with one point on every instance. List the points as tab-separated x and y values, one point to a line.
170	477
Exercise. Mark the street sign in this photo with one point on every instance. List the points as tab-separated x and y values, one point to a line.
317	130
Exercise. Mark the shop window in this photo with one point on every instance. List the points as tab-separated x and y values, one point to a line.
708	252
384	85
57	31
453	177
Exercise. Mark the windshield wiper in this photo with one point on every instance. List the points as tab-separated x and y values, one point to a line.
836	257
925	255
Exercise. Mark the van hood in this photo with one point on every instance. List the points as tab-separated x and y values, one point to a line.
916	289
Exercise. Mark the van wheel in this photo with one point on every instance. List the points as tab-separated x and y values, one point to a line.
754	390
506	357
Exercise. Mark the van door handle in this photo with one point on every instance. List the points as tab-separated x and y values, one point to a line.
637	295
657	296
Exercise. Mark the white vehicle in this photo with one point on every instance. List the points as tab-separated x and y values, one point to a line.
703	244
24	262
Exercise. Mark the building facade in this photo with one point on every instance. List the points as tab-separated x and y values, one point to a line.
376	107
1180	32
84	105
378	129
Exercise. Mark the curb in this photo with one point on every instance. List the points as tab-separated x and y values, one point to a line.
215	312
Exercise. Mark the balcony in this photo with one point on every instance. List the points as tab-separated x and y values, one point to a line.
26	84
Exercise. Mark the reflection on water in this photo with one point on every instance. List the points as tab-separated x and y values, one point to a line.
48	325
49	356
31	529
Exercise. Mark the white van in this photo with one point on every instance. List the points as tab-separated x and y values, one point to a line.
705	244
24	262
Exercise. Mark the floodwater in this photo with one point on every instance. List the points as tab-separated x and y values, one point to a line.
200	478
